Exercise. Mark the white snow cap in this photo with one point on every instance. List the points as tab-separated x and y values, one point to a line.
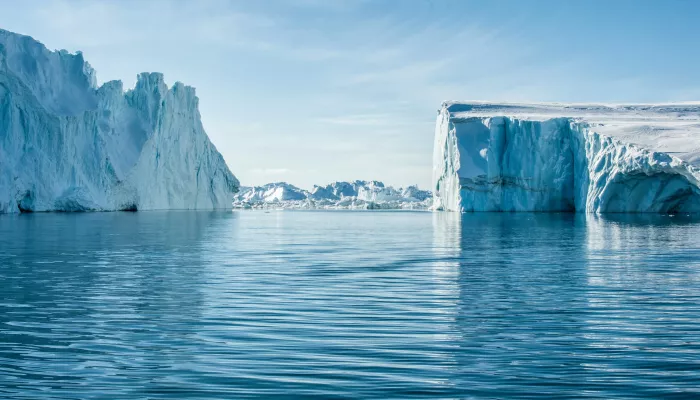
672	128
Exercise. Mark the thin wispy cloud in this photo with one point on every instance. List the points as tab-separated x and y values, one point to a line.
364	120
271	171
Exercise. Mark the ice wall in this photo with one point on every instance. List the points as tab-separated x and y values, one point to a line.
535	158
67	145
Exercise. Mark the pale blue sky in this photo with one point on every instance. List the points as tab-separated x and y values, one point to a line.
312	91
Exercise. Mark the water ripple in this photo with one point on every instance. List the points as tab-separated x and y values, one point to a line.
348	305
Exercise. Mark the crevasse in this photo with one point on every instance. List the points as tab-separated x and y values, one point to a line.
541	161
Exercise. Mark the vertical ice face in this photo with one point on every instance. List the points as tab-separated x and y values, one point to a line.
66	145
184	168
519	157
62	83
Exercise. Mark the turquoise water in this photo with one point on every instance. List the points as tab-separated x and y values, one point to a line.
348	305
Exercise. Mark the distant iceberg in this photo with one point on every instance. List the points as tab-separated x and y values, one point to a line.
67	145
337	195
567	157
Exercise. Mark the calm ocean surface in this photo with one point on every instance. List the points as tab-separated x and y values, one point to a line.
348	305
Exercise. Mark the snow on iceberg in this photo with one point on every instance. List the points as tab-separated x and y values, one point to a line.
270	193
68	145
337	195
567	157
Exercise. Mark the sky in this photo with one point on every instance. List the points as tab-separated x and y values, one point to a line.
314	91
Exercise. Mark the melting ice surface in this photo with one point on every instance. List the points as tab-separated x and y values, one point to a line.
348	304
557	157
68	145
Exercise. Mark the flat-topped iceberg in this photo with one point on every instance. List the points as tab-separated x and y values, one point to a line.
68	145
337	195
567	157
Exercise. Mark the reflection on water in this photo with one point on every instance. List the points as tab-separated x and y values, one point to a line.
348	304
643	275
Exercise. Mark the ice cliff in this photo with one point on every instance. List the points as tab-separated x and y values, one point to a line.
68	145
567	157
337	195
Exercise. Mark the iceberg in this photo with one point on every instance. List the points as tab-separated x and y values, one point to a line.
592	158
68	145
357	195
270	193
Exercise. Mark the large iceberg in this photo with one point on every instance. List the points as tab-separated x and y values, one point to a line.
567	157
337	195
68	145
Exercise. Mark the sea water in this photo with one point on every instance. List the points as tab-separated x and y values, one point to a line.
342	304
